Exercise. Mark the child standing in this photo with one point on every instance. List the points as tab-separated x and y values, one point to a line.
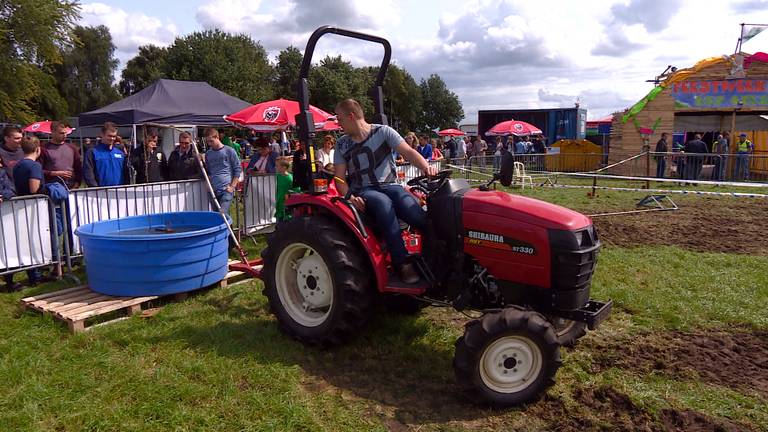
284	186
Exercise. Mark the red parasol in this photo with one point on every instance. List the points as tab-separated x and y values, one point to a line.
514	127
451	132
44	127
279	114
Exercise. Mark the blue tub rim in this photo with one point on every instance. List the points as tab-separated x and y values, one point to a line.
81	230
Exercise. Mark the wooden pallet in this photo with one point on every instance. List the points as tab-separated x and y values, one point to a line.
75	306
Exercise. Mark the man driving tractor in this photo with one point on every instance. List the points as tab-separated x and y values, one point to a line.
364	158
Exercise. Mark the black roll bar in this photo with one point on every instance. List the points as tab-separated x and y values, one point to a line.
304	117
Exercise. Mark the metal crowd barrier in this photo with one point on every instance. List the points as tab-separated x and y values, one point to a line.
259	196
27	224
114	202
406	172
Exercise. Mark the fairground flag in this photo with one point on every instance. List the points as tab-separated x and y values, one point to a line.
750	32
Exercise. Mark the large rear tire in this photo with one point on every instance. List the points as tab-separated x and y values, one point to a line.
507	358
315	278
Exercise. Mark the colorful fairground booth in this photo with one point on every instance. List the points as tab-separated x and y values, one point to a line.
717	95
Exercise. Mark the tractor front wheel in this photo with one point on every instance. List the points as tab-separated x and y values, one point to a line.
568	331
507	358
315	280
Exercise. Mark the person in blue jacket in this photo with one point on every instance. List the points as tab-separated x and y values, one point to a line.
105	164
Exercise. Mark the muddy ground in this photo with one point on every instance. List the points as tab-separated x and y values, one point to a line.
701	224
404	401
732	358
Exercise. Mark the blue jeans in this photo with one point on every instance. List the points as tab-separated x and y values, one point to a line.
742	166
225	200
385	204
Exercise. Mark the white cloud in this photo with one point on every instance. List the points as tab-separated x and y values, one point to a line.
492	53
129	30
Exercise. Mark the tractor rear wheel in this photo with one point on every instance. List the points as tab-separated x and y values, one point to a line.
315	280
507	358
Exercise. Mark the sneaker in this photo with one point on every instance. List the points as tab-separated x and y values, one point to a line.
408	273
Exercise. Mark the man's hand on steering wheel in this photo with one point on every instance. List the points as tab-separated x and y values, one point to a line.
431	171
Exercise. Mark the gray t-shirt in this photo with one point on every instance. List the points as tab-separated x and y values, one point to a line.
222	165
369	162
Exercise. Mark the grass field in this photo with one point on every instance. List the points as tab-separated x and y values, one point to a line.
686	348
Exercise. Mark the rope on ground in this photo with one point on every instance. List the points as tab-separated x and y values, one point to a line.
683	192
663	180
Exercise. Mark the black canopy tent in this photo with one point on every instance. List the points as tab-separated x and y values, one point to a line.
168	102
172	103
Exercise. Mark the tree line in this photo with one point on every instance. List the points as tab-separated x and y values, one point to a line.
56	68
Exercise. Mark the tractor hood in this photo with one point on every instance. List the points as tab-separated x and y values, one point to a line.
522	209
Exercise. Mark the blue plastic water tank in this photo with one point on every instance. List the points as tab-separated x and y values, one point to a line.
156	254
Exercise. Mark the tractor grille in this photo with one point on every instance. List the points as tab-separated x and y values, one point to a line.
574	256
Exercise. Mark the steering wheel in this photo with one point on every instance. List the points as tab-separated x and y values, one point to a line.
430	184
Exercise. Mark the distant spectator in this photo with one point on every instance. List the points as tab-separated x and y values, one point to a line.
7	189
60	160
183	164
10	150
424	149
87	143
105	164
744	148
520	147
324	156
7	192
539	149
300	166
411	139
694	150
274	145
284	186
223	168
720	149
497	154
437	153
149	162
28	179
263	161
661	159
227	141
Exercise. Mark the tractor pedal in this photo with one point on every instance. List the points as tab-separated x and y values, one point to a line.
395	285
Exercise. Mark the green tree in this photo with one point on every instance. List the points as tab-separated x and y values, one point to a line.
147	67
287	72
334	79
234	64
85	76
402	99
442	108
32	35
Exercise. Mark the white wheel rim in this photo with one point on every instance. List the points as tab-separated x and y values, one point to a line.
510	364
304	284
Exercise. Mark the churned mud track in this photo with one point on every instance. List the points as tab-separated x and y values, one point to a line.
738	360
729	225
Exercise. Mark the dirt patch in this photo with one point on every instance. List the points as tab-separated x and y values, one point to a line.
726	225
735	360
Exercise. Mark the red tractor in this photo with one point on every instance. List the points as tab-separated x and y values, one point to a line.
527	265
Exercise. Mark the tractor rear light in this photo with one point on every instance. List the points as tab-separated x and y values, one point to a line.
320	186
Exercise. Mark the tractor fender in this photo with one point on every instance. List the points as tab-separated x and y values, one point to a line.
370	244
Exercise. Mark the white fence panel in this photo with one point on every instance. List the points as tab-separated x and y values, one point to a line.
25	224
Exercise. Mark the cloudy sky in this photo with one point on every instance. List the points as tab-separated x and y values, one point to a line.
493	54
